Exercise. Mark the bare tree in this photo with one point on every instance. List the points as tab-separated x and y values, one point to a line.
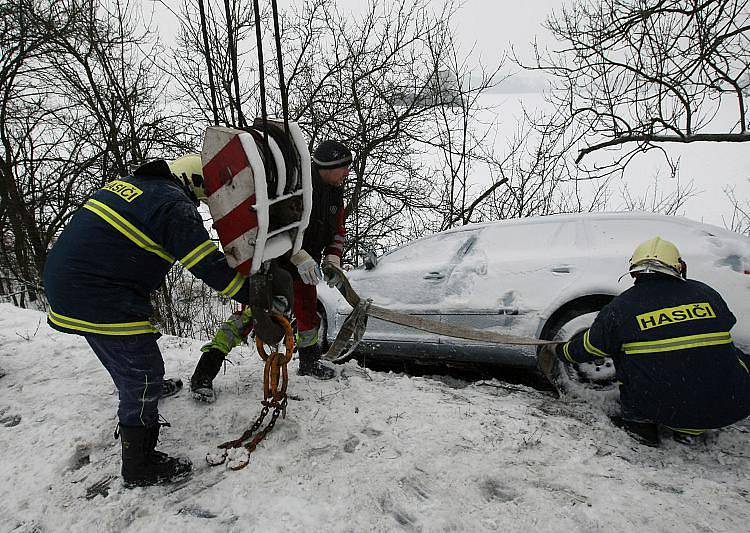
31	139
79	103
463	133
638	74
655	200
375	82
387	83
191	72
740	219
105	71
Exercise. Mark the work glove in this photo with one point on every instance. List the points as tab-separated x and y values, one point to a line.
308	269
331	276
545	361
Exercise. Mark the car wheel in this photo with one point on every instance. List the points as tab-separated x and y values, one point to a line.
581	379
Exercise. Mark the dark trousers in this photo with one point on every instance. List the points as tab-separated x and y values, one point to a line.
137	368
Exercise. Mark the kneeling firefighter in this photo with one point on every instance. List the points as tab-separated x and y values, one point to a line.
99	276
670	340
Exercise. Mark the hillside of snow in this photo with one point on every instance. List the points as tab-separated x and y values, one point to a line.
367	451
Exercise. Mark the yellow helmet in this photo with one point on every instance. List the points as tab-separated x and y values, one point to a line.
189	170
657	256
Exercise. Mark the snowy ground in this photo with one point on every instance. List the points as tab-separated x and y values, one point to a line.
366	452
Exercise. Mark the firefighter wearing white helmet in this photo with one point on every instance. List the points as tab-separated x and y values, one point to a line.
98	279
670	340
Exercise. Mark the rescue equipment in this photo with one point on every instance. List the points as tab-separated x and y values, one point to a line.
260	205
275	378
258	188
355	325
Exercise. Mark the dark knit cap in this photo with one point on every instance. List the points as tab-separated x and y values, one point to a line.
332	154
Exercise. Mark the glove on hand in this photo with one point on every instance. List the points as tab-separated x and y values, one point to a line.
546	359
331	276
333	259
308	269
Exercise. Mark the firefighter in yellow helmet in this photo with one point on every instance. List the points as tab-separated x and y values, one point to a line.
117	250
658	256
188	169
670	340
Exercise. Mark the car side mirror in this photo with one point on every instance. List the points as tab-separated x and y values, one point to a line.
371	260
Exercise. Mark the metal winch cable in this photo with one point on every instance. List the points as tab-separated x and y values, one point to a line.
209	64
235	101
262	82
282	84
232	51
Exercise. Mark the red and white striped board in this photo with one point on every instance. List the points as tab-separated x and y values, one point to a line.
235	183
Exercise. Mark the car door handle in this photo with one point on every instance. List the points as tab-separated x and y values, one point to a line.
561	269
434	276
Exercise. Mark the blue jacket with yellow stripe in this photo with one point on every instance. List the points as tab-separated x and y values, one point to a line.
673	353
118	248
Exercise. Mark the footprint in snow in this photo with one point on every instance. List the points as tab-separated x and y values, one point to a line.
492	490
10	421
416	487
351	444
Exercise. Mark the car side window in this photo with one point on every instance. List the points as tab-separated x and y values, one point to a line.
508	240
437	250
627	234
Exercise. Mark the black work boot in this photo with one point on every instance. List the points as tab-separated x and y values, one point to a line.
646	433
201	384
310	365
170	387
142	464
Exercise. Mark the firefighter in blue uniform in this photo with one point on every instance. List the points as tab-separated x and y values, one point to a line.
670	340
116	250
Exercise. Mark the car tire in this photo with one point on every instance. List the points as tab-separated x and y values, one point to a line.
581	379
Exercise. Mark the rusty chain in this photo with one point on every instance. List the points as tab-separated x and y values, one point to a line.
275	378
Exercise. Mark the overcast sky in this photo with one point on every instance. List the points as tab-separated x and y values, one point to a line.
491	26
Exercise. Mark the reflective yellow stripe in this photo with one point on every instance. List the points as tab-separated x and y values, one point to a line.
115	220
307	338
590	348
123	328
198	253
678	343
234	285
566	352
689	431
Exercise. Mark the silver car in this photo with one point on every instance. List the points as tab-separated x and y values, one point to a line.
543	277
